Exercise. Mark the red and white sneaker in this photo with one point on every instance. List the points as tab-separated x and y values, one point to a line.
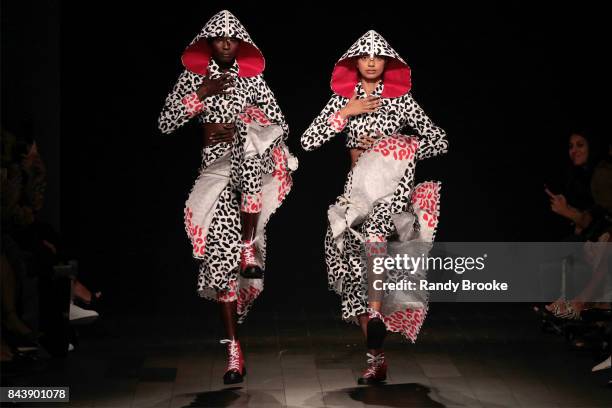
249	266
376	372
235	371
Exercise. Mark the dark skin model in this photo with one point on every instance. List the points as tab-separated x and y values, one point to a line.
224	51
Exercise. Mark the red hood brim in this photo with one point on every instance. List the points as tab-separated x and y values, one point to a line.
250	60
396	78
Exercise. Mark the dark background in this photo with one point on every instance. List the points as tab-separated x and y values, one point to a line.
507	83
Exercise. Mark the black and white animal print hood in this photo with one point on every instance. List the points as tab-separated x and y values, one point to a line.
224	24
396	77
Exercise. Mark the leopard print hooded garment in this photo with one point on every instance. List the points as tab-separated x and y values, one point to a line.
212	211
380	203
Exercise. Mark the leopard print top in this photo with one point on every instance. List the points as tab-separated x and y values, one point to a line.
183	104
250	88
394	115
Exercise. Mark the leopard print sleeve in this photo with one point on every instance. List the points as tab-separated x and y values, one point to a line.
268	104
326	125
433	139
182	103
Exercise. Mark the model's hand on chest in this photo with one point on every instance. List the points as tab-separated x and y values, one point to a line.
356	106
215	86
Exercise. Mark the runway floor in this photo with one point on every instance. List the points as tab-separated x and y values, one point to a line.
468	355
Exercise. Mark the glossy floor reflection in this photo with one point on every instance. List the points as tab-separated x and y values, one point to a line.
467	356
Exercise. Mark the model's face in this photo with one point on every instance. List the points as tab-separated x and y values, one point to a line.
578	150
371	67
224	49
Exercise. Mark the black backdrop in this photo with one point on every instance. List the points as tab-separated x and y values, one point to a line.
505	82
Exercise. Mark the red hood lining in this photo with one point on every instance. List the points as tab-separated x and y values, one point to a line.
396	78
250	60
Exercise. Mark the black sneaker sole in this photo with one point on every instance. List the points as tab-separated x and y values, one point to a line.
236	378
370	381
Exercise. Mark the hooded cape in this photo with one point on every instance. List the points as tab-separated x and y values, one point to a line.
224	24
396	77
